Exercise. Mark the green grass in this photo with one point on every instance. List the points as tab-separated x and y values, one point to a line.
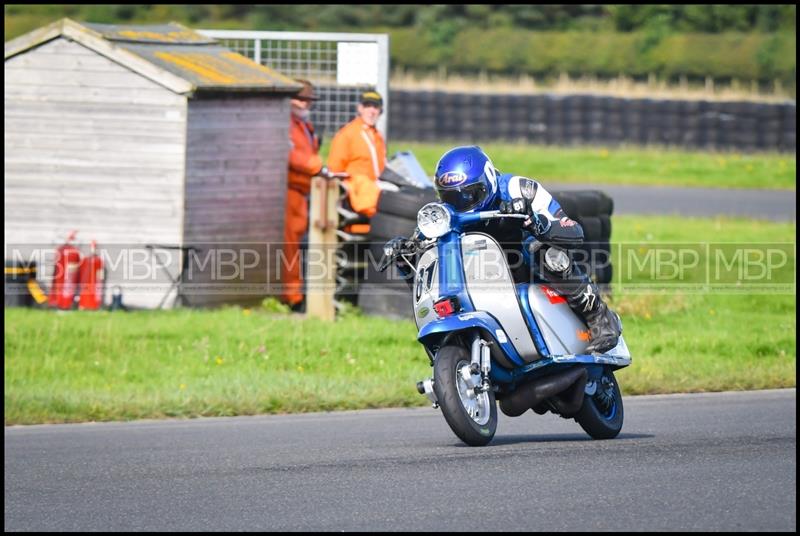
78	366
99	366
642	166
705	340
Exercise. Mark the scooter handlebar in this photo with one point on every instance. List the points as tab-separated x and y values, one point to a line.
497	214
474	217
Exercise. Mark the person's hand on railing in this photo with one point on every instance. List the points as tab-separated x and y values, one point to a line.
327	174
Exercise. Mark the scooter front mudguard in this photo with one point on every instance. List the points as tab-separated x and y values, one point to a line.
434	334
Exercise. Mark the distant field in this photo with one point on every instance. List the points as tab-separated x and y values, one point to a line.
78	366
630	165
641	166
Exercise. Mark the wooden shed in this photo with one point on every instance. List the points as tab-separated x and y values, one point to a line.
146	135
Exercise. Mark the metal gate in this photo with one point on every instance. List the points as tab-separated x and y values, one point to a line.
340	65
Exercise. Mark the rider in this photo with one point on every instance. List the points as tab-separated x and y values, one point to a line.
467	179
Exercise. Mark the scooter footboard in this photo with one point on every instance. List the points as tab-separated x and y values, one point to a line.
434	334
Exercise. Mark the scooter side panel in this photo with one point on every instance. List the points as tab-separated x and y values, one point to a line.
491	289
426	287
563	332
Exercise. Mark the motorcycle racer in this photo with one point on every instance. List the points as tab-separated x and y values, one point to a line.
466	179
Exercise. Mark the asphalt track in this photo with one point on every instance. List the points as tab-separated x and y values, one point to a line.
700	462
774	205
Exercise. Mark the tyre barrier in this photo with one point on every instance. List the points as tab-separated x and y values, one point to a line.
592	119
592	210
387	293
406	202
385	226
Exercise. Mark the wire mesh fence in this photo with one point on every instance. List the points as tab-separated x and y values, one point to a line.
341	66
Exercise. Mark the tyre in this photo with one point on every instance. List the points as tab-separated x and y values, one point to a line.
386	226
604	274
605	228
589	202
592	229
390	278
605	204
405	203
601	414
568	203
388	302
601	263
473	418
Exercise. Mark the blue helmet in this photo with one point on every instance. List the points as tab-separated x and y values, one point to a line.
466	179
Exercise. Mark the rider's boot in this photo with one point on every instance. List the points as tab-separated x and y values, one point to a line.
584	298
604	324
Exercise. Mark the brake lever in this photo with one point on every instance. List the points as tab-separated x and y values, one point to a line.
409	247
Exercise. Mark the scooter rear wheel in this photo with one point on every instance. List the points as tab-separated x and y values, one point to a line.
601	415
471	416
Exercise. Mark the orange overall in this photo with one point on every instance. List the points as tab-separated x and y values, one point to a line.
359	150
304	163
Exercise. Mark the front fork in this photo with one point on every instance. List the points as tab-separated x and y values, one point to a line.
476	375
480	366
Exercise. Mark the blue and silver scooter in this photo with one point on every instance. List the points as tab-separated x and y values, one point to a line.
489	339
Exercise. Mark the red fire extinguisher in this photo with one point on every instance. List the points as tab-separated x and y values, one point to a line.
91	280
65	277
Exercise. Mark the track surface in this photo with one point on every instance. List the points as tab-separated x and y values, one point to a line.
775	205
721	461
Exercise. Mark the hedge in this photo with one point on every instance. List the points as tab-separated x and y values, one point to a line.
744	56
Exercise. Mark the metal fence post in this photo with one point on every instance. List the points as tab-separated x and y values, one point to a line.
321	268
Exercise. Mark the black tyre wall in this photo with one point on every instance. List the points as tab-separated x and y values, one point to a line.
405	203
386	226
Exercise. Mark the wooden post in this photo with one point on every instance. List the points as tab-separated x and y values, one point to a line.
321	268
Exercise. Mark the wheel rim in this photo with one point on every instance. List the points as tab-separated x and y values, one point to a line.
605	399
477	406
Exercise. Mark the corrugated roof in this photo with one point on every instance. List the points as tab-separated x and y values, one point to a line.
171	54
156	33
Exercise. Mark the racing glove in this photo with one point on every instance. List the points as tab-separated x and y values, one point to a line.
537	224
519	205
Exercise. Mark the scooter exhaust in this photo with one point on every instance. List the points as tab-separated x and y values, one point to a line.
570	383
569	402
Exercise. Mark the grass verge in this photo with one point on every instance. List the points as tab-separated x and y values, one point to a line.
635	166
85	366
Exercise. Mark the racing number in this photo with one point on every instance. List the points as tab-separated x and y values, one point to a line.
424	280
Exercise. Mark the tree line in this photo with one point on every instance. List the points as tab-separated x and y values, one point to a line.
746	42
444	18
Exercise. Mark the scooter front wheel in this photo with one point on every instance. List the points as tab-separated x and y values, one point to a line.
472	416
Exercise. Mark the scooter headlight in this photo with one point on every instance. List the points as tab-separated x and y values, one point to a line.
433	220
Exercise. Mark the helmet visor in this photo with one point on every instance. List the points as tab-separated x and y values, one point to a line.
465	198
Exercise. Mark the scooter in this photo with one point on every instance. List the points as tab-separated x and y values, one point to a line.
492	340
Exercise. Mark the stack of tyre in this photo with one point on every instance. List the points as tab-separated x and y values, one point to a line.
405	188
387	293
404	192
592	209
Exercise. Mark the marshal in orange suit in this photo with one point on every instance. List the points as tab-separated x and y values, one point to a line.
359	149
304	163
